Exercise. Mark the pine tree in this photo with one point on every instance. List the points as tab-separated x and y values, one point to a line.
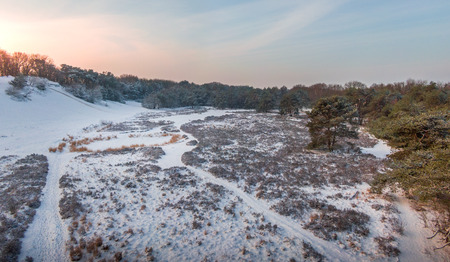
330	118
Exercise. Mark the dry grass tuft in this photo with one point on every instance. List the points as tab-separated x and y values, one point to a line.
175	138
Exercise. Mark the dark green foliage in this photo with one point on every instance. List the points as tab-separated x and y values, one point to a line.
422	173
416	122
331	118
265	103
292	101
414	132
360	96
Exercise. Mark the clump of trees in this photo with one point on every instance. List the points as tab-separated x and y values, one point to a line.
413	116
293	101
418	124
153	93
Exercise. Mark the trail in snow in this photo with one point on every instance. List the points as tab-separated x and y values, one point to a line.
328	249
46	237
414	243
293	228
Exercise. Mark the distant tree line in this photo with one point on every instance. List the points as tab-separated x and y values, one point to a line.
155	93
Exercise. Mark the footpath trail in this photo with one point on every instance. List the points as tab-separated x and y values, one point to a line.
414	243
46	237
329	249
293	228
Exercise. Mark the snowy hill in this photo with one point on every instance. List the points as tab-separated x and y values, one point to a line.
32	126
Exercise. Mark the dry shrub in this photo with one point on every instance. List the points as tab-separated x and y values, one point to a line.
175	138
61	146
109	149
79	149
385	246
310	253
334	220
76	254
75	144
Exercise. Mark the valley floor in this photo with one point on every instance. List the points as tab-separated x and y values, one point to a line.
125	183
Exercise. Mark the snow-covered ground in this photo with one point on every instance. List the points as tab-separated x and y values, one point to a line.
140	189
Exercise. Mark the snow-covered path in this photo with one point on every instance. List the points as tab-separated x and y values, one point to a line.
414	243
292	228
46	237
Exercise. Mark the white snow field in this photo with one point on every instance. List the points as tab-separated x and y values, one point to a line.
133	184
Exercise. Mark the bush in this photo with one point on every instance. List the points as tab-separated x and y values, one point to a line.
19	82
335	220
385	246
17	89
39	83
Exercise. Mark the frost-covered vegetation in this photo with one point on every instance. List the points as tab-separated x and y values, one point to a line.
244	194
267	157
21	184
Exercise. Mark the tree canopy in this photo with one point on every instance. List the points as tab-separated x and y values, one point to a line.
329	119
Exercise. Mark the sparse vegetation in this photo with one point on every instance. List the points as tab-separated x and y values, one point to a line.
21	184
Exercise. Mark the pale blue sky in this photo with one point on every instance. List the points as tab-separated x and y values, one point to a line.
259	43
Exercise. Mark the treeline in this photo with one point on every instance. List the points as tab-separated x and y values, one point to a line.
155	93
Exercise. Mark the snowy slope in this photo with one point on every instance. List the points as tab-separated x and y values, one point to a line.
32	126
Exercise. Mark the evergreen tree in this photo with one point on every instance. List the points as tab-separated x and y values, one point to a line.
330	118
265	103
292	101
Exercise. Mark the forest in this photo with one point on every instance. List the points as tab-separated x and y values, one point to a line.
413	116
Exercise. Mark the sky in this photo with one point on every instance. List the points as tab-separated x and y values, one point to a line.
260	43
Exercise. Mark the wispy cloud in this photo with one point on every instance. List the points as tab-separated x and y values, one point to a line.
290	23
261	42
